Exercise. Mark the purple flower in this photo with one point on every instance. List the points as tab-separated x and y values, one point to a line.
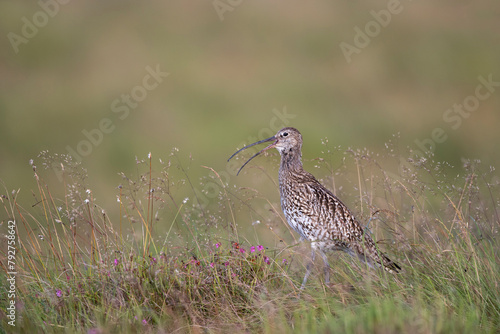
116	262
212	264
217	245
267	260
59	293
260	247
226	263
144	322
153	260
252	249
284	261
242	250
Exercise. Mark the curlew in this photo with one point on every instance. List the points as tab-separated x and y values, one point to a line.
314	212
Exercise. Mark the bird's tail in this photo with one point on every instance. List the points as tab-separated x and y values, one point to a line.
375	258
390	265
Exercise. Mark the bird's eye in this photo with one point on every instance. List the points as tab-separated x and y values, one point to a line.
285	134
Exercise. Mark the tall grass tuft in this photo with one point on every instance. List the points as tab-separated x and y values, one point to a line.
175	255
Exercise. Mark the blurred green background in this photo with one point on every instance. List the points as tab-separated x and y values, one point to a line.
232	65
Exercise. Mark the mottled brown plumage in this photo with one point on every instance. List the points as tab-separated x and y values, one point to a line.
314	212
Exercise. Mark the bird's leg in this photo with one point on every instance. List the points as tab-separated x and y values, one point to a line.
308	268
327	266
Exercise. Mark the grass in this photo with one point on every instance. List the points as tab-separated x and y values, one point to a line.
176	260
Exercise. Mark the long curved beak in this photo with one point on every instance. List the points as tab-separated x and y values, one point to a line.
273	138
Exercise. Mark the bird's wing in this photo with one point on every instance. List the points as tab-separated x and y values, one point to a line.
331	218
335	222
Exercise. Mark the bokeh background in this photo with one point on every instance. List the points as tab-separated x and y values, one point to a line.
232	66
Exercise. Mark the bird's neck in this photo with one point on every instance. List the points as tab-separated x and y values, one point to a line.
291	161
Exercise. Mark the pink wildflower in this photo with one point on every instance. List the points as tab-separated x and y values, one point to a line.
267	260
260	247
59	293
252	249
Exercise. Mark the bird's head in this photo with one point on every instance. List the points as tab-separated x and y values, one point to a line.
288	139
285	141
